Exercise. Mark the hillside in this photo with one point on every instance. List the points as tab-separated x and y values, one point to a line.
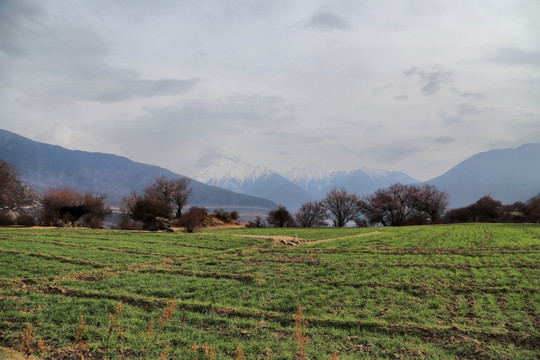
43	166
508	175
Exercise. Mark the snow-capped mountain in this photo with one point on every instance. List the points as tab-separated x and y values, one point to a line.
363	181
235	174
231	173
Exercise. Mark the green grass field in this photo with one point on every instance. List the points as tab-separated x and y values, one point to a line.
427	292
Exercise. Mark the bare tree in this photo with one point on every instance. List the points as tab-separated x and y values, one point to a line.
280	217
311	214
180	193
12	192
404	205
127	207
391	206
432	201
175	192
342	206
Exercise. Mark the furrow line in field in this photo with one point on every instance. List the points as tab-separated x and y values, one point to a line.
90	275
50	243
529	309
431	333
203	274
176	243
472	252
414	288
57	257
117	250
314	261
109	240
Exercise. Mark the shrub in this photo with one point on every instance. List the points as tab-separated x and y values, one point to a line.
226	216
5	218
25	220
193	218
147	209
126	224
93	221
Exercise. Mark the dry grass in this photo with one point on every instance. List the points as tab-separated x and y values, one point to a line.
81	344
301	340
152	333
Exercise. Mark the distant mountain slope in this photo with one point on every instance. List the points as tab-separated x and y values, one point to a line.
234	174
508	175
44	166
363	181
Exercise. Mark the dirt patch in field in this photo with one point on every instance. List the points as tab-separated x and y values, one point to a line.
294	240
346	237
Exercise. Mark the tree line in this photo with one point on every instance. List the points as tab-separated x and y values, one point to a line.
394	206
398	205
163	202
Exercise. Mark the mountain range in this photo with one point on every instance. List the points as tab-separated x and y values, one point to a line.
235	174
293	188
507	175
43	166
362	181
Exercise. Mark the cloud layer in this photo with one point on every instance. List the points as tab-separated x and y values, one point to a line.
408	86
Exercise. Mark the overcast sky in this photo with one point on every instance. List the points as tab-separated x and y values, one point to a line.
413	86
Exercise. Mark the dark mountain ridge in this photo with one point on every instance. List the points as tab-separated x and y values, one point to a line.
507	175
43	166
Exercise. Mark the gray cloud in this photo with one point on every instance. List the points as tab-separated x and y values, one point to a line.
467	110
460	113
395	151
515	56
432	79
442	140
401	97
191	119
327	21
471	95
123	89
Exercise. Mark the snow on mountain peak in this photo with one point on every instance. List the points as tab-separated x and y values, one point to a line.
300	173
218	168
375	172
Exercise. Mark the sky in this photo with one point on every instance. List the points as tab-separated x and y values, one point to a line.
412	86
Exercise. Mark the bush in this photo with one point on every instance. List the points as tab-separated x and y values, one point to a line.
193	218
258	223
68	206
147	209
126	224
92	221
5	218
24	220
226	216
